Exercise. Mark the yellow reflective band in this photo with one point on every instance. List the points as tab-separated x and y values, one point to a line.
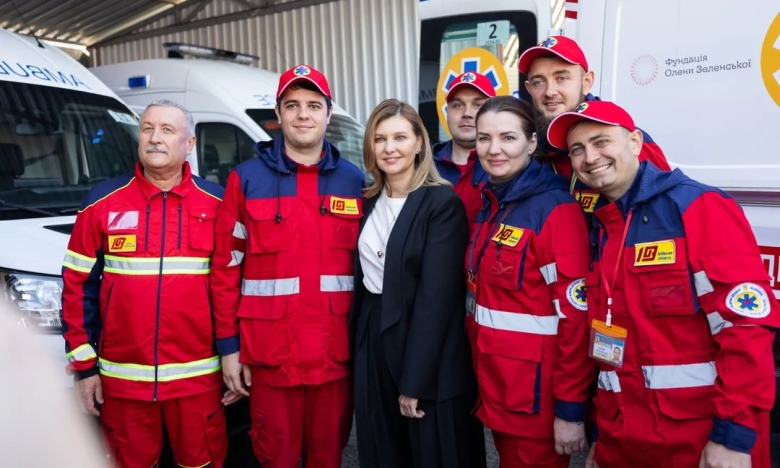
165	372
84	352
151	266
78	262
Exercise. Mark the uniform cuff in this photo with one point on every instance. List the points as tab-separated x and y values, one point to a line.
572	412
227	346
733	436
83	374
594	432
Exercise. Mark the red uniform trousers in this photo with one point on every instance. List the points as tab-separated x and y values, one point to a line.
195	425
309	421
521	452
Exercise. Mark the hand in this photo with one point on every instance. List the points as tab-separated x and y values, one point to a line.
231	397
409	407
569	437
232	371
589	463
718	456
91	389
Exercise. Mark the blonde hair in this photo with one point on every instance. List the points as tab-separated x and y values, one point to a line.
425	173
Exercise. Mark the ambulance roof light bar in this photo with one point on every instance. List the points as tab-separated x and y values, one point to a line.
181	49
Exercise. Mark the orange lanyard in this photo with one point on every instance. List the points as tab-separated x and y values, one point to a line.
609	287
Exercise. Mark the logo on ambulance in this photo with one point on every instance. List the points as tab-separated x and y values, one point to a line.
644	69
472	59
770	60
122	243
655	253
748	300
508	235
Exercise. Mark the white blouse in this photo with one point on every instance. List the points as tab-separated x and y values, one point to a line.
372	244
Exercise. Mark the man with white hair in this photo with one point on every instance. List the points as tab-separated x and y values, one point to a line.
137	318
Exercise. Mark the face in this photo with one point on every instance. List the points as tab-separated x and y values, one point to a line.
502	146
164	140
556	86
304	116
616	354
461	112
604	157
396	146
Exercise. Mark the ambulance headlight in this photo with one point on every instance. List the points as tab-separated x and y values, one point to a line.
37	298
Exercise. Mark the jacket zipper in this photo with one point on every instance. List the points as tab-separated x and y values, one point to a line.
159	296
178	245
105	319
146	239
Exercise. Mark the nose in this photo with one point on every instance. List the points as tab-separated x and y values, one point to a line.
550	89
494	148
591	155
389	146
155	136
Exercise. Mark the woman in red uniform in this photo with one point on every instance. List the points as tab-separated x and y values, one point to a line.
526	302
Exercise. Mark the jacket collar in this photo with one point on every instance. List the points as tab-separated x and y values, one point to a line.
150	190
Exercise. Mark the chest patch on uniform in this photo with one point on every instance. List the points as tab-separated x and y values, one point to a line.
508	235
655	253
122	220
347	206
748	300
126	243
587	200
575	293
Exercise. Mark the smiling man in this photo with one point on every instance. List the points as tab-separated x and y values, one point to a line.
283	281
558	80
456	159
692	311
137	319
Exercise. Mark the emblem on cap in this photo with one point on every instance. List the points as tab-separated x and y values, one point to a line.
549	43
581	108
302	70
468	77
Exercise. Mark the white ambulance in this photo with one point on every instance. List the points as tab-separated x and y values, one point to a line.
61	132
232	103
700	76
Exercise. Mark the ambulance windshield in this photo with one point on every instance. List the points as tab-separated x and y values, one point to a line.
55	144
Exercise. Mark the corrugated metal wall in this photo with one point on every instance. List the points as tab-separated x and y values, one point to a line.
367	48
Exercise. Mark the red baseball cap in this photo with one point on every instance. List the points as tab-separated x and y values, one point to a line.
474	80
562	46
604	112
303	73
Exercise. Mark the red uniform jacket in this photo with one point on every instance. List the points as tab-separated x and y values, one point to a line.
467	181
694	296
528	257
135	302
284	263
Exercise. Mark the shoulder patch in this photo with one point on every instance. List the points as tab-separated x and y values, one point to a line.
575	293
749	300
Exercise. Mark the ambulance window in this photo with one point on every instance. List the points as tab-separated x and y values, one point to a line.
221	146
500	37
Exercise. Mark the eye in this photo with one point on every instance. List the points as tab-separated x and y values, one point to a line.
167	130
379	139
456	105
291	106
576	151
482	138
509	138
315	106
602	142
401	137
561	79
537	83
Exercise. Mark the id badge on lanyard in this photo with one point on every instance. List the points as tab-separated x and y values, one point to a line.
471	296
608	341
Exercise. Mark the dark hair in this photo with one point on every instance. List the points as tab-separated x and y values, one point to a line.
308	86
512	105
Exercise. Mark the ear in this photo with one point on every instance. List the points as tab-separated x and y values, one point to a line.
278	115
587	82
635	141
330	114
528	86
532	143
190	144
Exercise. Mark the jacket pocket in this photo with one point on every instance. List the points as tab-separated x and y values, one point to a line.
340	304
215	427
504	267
666	290
509	370
269	225
686	403
264	330
201	229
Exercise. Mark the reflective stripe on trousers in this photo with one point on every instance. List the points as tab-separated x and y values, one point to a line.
165	372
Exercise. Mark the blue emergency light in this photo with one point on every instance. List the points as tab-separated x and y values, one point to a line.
139	81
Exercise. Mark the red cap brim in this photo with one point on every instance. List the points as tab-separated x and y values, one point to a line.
558	130
301	78
533	53
461	85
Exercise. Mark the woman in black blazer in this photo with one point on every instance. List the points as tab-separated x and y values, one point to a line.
414	385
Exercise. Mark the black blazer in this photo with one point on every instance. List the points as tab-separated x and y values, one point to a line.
422	324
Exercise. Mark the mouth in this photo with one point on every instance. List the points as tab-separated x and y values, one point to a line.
552	104
599	169
392	160
466	126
